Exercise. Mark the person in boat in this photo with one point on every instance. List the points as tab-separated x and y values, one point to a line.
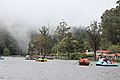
105	60
43	56
113	61
84	60
101	60
27	57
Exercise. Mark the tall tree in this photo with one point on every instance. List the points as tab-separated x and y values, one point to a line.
111	24
40	42
67	44
62	29
44	36
94	31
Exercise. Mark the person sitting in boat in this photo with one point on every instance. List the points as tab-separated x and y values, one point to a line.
43	56
86	60
82	59
113	61
105	60
109	62
27	57
100	60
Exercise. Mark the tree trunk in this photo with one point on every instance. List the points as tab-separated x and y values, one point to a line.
94	54
95	46
68	55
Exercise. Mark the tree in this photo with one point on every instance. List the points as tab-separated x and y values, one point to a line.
94	31
6	52
104	43
67	45
114	48
111	24
62	29
40	42
7	40
81	35
44	36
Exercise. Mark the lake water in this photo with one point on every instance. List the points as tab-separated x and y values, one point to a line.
17	68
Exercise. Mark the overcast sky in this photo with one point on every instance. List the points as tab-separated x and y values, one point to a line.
42	12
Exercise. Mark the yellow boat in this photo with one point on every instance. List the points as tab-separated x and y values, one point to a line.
41	60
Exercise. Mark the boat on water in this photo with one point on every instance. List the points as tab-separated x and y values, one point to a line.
1	58
49	57
41	60
29	57
84	61
106	64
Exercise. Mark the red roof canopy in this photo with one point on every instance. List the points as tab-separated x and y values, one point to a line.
103	51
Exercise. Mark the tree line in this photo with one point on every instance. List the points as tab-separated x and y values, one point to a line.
104	35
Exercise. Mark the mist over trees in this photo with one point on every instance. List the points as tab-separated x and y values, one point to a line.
66	39
8	42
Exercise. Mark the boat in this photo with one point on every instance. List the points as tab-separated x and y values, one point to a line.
29	57
84	62
1	58
41	60
105	64
49	57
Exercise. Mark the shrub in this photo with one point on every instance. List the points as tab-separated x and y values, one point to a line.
117	60
6	52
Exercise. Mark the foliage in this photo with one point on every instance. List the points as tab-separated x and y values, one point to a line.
117	60
62	29
94	36
81	35
67	44
41	42
75	56
6	52
7	40
111	24
114	48
105	44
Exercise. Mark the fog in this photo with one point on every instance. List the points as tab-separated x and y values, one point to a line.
21	17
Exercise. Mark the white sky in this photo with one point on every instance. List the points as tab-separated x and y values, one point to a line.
42	12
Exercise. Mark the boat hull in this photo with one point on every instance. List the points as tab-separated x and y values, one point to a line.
84	63
102	64
41	60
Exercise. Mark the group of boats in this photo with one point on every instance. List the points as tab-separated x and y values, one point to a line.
82	61
100	62
37	58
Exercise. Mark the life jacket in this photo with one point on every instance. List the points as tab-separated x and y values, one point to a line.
81	60
86	60
113	62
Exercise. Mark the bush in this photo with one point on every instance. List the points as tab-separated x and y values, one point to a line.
6	52
75	56
117	60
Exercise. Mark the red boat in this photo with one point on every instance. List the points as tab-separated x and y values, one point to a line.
84	61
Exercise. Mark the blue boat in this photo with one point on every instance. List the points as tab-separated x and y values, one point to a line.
1	58
105	64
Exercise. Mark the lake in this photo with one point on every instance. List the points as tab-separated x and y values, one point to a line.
17	68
